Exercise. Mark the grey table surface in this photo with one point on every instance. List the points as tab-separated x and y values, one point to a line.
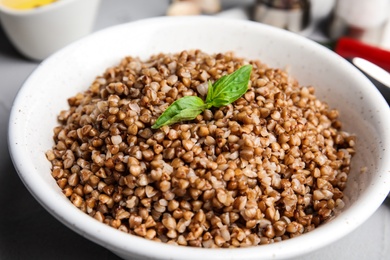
28	231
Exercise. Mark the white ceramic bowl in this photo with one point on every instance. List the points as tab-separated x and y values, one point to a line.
36	33
363	111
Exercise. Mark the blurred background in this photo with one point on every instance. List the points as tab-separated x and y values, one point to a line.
352	28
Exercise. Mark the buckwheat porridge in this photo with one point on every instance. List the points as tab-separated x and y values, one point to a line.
268	167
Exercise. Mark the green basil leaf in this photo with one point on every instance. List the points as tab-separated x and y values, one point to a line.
183	109
229	88
224	91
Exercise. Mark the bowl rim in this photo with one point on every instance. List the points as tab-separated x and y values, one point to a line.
121	242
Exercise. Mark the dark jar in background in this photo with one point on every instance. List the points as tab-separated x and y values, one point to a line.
292	15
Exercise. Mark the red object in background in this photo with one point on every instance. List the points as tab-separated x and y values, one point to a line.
350	48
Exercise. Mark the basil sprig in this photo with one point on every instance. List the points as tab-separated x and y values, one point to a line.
224	91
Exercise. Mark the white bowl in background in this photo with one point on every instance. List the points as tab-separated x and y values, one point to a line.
363	111
39	32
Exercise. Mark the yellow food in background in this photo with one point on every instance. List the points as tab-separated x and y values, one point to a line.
25	4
